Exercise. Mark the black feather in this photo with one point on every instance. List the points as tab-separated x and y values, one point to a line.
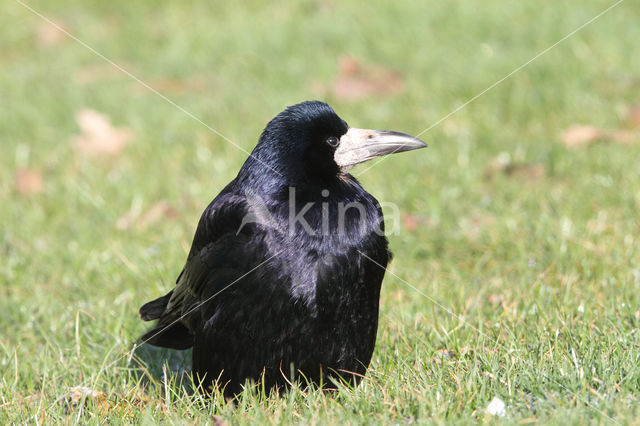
174	336
154	309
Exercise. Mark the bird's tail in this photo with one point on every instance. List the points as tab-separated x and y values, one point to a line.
173	336
153	310
168	333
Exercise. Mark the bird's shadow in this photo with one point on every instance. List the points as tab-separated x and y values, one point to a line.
153	366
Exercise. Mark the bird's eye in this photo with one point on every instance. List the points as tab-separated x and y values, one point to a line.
333	141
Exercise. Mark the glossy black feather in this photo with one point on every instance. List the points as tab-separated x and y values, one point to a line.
260	300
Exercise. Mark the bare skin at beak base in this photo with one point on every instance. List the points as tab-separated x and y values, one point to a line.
359	145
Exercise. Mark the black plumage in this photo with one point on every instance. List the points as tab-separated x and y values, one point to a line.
283	279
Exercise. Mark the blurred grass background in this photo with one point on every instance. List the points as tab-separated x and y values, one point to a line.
522	225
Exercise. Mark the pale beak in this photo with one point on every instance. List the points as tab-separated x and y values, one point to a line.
358	145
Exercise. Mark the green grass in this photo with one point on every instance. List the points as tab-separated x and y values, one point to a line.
542	274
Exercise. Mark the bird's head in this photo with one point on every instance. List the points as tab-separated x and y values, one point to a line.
309	142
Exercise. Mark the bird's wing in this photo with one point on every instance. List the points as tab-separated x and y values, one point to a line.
224	248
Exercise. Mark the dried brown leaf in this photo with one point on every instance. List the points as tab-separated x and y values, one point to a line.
580	135
124	405
410	222
98	135
356	81
48	34
526	171
497	165
625	137
349	66
633	117
584	135
28	182
83	394
179	86
502	164
219	421
160	210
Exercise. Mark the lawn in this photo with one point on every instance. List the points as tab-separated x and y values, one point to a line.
516	271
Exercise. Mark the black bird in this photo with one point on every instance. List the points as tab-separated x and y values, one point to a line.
283	278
